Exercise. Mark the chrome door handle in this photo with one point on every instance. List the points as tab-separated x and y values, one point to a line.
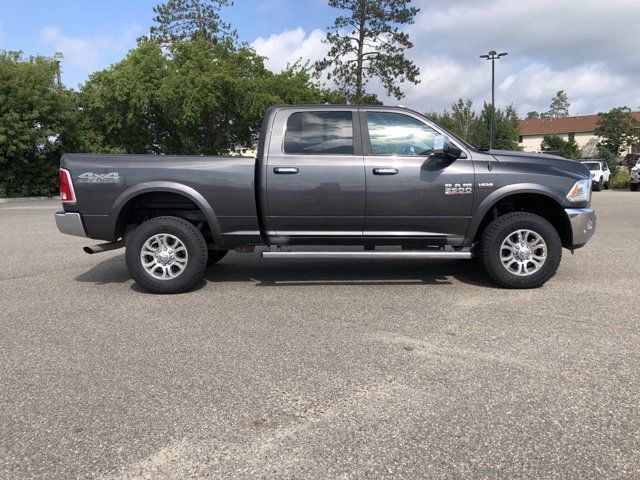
285	170
385	171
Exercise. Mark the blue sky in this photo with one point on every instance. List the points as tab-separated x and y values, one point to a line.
589	48
120	22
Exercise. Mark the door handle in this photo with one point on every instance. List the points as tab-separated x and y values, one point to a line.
385	171
285	170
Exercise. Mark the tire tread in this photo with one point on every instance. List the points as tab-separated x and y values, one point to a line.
155	286
485	252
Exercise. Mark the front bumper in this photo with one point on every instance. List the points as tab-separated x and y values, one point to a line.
70	223
583	225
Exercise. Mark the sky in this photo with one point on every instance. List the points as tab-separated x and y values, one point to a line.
589	48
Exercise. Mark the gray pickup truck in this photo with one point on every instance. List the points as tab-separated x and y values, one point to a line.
380	182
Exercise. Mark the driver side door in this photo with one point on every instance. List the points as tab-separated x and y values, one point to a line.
409	192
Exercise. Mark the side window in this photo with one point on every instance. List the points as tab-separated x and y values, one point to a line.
399	134
604	167
319	133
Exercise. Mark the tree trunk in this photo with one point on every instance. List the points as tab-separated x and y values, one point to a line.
201	23
360	59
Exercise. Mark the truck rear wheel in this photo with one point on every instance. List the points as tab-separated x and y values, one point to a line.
166	255
520	250
633	187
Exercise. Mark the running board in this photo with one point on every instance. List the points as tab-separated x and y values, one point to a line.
371	254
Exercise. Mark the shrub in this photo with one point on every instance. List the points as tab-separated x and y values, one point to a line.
620	179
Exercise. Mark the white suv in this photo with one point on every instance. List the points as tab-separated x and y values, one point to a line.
600	173
635	177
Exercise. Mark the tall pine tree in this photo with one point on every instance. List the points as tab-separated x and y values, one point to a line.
367	43
559	107
184	20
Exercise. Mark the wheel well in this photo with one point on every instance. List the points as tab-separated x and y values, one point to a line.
157	204
535	203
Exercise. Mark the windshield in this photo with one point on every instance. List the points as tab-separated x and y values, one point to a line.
592	165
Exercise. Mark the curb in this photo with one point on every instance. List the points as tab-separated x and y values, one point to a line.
27	199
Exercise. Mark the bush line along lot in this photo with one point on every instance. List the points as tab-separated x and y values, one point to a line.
318	369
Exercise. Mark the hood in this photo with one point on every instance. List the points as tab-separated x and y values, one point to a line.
553	161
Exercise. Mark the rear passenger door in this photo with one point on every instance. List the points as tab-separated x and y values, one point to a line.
315	175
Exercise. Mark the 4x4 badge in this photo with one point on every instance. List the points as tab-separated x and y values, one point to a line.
90	177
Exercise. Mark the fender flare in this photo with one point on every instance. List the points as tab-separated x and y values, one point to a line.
501	193
171	187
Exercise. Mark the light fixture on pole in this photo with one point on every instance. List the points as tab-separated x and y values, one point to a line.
493	56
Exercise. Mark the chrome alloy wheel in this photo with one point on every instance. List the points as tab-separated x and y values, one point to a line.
523	252
164	256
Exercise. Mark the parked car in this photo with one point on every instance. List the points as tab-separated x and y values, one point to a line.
635	177
339	175
600	173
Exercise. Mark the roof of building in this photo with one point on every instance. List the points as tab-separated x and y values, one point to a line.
547	126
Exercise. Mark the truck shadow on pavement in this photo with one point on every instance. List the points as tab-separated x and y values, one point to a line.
283	273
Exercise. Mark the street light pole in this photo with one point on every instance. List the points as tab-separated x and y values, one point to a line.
493	56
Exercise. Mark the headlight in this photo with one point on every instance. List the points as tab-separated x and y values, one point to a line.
580	191
593	175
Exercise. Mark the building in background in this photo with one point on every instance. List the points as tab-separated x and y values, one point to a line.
579	128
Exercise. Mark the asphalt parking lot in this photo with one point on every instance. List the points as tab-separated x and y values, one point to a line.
318	369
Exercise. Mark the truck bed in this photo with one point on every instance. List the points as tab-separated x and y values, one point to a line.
104	183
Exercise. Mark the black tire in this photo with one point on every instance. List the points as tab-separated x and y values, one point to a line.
633	187
215	256
597	186
606	185
191	238
491	245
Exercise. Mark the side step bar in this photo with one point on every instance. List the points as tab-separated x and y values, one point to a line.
371	254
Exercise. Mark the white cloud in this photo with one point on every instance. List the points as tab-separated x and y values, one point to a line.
83	55
585	47
580	46
289	46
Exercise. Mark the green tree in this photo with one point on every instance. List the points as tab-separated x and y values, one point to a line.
506	129
618	130
445	119
38	122
464	118
533	115
203	98
184	20
367	43
559	107
557	145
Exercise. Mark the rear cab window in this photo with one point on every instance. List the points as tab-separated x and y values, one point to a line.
319	133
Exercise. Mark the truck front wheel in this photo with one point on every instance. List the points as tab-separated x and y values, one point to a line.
166	255
520	250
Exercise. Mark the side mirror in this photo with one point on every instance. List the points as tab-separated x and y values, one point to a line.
445	149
